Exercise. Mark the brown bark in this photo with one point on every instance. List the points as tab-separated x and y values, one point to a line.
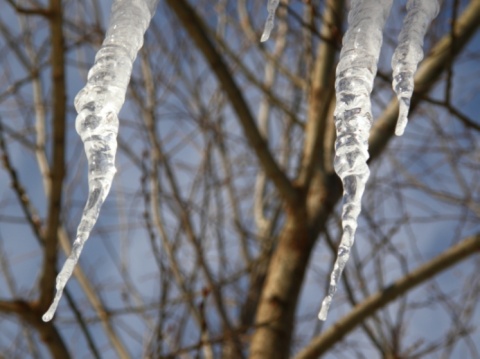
276	311
47	331
57	168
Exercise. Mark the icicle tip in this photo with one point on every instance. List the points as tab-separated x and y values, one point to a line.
402	118
267	31
271	7
47	317
323	313
51	310
53	307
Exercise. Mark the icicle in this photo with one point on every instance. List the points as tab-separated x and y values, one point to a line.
271	8
409	53
353	118
98	105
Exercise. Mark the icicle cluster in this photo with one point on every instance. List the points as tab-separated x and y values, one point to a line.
98	105
353	118
409	53
271	8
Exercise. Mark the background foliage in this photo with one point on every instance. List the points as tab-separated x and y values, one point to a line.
221	227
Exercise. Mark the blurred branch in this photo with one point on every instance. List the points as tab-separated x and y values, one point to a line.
153	199
226	163
93	298
334	41
321	93
39	106
47	331
13	44
28	209
362	311
26	11
35	222
81	322
57	168
254	38
197	31
467	121
253	78
449	81
263	119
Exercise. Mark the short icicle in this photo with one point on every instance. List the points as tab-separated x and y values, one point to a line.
409	53
98	105
271	8
353	119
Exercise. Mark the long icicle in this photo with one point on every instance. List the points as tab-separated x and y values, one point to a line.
98	105
353	119
409	53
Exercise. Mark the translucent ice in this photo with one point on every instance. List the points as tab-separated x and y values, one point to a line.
353	118
271	8
98	105
409	53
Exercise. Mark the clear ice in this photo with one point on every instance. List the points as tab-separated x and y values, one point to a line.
98	105
271	8
353	118
409	53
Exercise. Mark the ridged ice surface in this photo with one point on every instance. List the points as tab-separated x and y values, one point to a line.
409	53
271	8
98	105
353	118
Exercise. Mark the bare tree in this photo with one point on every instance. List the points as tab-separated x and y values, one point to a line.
223	221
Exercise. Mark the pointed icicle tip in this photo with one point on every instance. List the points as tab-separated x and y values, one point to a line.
268	28
265	36
402	118
271	7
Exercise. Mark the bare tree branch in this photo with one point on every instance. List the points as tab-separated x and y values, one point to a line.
32	316
321	93
467	121
26	11
196	29
195	259
29	210
362	311
57	169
